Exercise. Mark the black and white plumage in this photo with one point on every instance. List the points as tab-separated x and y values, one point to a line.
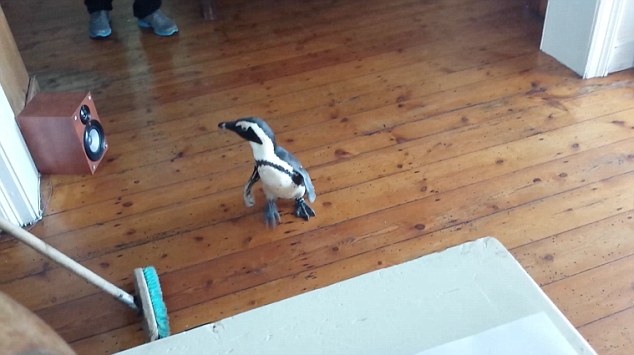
282	174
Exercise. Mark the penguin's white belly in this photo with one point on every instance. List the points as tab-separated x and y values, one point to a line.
277	184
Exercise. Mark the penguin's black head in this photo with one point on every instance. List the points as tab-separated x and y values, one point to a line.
252	129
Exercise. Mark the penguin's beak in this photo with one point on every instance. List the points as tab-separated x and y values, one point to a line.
227	125
245	133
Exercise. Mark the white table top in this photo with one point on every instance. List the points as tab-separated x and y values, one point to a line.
475	297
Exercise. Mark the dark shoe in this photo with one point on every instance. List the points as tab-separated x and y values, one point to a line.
161	24
99	26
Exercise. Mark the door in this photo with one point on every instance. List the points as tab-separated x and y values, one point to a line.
591	37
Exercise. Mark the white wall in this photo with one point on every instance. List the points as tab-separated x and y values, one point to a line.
19	178
567	34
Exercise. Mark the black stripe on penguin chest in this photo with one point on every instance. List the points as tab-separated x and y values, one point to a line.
296	178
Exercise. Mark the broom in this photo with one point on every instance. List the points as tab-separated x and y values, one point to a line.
149	298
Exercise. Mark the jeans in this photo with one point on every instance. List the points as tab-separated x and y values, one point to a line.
140	8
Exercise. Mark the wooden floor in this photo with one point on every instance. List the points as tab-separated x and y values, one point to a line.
424	124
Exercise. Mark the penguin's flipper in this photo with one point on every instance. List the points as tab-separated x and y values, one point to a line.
308	183
298	171
247	195
301	178
302	210
271	215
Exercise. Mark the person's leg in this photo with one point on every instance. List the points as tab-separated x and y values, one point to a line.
99	25
144	8
150	16
98	5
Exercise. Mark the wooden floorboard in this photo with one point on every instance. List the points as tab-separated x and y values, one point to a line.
424	124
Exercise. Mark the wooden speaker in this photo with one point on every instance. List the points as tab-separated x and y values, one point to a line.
63	132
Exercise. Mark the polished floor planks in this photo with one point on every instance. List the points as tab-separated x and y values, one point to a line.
423	124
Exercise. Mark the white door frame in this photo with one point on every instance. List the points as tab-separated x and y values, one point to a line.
20	201
608	20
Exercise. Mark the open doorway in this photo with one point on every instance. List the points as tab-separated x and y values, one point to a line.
593	38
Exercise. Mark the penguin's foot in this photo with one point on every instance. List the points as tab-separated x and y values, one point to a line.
302	210
271	215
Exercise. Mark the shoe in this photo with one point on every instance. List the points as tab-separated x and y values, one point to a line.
161	24
99	26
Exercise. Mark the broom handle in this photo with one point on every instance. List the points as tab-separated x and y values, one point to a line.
70	264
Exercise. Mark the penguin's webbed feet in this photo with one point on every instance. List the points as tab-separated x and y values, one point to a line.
271	215
302	210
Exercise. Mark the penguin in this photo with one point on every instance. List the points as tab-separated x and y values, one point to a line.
281	173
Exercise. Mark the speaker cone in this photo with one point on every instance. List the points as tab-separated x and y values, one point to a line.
94	140
84	114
